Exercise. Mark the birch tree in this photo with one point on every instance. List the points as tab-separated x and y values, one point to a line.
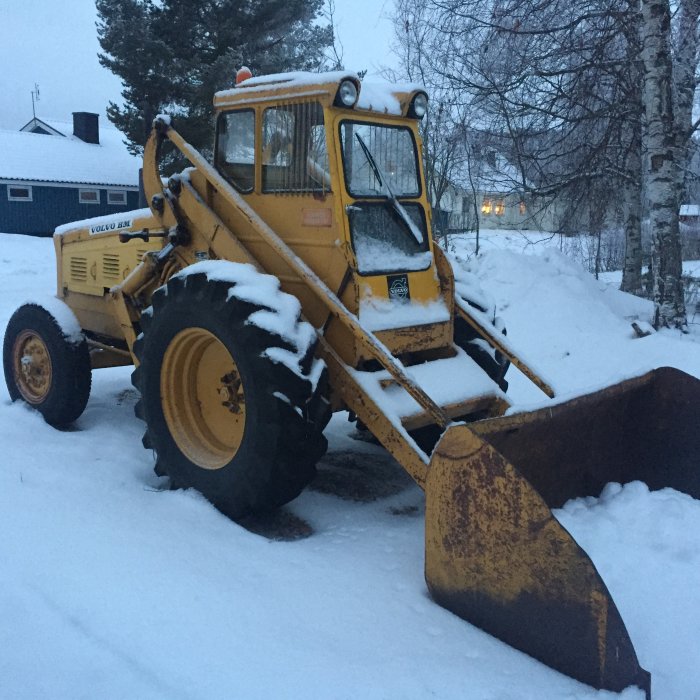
663	141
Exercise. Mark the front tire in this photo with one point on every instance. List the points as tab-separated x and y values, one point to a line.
492	362
44	367
231	393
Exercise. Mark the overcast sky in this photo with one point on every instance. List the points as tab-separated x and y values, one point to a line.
54	44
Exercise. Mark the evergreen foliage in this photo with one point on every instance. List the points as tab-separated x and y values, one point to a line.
173	55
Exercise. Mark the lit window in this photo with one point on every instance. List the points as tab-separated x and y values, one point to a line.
116	198
89	196
19	194
486	207
522	208
500	208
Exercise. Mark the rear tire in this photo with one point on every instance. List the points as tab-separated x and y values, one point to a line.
44	368
232	408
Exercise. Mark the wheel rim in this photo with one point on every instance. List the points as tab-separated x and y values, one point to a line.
202	398
32	366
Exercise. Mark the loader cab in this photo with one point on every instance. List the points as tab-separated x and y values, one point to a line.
334	167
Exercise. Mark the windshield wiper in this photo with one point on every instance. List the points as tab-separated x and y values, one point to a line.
388	193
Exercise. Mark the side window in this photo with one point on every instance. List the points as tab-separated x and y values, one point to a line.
116	197
19	193
89	196
235	148
295	158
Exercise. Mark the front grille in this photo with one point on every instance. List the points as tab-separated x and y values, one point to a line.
110	266
78	269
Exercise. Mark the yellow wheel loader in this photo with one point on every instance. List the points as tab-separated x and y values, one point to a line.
295	276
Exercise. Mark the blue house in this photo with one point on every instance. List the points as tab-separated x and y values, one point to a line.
52	173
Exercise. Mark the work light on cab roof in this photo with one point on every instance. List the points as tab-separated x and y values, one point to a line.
347	94
419	105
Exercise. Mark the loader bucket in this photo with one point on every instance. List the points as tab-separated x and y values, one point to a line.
646	429
497	557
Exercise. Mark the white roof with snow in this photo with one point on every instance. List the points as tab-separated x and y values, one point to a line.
47	158
690	210
501	178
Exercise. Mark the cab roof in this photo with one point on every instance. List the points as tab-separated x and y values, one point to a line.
382	98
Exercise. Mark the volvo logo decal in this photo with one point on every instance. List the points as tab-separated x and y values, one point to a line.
398	287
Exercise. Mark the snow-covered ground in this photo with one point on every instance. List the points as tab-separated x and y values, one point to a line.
111	587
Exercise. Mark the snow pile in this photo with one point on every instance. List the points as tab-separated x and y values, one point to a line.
658	534
111	586
578	329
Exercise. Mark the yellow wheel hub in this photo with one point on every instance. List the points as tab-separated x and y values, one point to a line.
202	397
32	367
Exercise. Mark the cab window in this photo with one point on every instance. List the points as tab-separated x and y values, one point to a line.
235	148
295	157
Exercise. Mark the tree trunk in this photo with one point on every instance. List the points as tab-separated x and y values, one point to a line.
664	176
686	61
632	202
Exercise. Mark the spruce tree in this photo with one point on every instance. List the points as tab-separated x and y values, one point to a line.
173	55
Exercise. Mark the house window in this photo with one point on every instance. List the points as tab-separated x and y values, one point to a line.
17	193
522	209
89	196
500	208
116	198
487	206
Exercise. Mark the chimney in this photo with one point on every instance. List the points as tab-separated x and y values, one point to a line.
85	126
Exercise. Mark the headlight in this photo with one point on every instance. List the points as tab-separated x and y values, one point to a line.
347	94
419	105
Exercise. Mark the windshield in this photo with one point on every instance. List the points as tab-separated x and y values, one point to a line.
393	151
380	238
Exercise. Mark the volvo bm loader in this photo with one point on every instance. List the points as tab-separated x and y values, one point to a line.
296	275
